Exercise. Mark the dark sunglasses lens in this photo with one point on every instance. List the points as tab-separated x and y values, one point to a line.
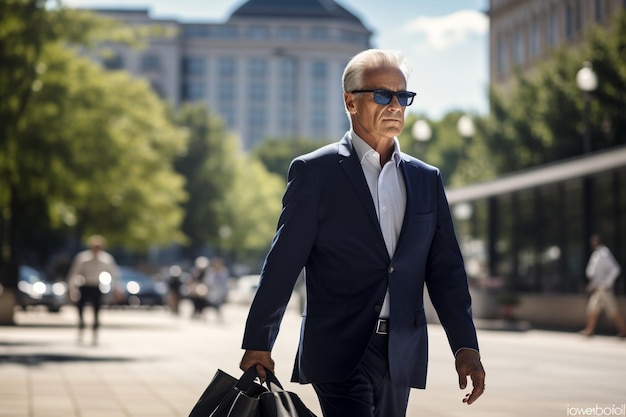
383	97
405	98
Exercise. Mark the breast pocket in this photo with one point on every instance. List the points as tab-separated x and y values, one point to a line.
422	223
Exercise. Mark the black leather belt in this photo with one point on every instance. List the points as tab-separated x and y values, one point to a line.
382	326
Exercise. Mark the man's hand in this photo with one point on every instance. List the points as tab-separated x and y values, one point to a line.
262	359
468	364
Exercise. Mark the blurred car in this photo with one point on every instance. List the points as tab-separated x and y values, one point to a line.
136	288
34	290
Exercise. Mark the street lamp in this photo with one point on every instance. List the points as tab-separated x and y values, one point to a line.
421	131
587	82
465	126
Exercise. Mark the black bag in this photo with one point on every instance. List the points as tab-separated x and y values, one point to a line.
228	397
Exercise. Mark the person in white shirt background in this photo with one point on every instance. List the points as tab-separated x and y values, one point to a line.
602	271
91	270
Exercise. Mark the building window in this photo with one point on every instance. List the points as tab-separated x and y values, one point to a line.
573	19
501	57
226	32
226	92
226	68
320	33
150	63
289	33
257	68
287	119
553	28
318	95
287	68
518	47
196	31
194	66
258	32
193	91
535	39
257	92
599	11
319	70
318	123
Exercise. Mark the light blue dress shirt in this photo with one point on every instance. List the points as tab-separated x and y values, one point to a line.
386	185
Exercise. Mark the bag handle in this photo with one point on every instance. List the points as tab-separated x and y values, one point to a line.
247	379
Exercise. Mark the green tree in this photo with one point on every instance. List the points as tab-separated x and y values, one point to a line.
461	160
542	119
209	169
80	147
251	210
277	154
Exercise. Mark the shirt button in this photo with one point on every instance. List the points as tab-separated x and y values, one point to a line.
390	269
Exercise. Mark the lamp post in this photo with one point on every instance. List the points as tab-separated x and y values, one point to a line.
421	132
465	127
587	82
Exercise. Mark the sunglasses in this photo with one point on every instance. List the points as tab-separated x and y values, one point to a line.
384	97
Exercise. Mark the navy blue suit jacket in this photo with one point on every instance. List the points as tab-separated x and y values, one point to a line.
329	225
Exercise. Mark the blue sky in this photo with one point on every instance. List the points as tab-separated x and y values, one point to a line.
446	41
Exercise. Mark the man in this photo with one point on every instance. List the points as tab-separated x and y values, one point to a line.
91	269
371	225
602	271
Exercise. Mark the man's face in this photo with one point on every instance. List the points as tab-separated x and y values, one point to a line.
372	121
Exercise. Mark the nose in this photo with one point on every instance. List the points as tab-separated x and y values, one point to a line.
394	104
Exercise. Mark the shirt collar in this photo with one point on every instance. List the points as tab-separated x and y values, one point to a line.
363	149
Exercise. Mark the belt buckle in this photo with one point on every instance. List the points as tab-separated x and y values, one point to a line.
382	327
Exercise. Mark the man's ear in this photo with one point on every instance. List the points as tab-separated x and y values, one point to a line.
350	100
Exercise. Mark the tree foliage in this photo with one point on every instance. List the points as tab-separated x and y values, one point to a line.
208	166
92	148
543	118
277	154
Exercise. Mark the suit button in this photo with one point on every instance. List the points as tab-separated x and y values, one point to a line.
390	269
377	308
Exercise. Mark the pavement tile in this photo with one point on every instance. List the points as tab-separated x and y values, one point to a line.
149	363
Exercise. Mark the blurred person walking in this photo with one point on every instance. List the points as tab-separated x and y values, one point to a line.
372	226
217	286
90	272
198	288
602	271
174	286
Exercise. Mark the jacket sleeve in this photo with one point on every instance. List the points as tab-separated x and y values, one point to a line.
292	243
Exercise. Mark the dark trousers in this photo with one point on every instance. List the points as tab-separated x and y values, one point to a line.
92	295
369	391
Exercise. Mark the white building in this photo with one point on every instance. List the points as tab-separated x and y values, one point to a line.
273	69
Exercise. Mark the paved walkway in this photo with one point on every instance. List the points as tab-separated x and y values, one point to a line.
149	363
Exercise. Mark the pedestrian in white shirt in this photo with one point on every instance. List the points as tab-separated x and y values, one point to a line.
602	271
91	271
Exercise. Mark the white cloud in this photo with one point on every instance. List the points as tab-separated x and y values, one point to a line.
449	30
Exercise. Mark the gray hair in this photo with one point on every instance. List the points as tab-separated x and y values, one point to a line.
371	58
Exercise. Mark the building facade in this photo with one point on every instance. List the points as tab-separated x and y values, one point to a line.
524	33
272	69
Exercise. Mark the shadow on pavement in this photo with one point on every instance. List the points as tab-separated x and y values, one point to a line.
39	359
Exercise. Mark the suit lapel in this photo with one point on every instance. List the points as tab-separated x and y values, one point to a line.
408	172
349	161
